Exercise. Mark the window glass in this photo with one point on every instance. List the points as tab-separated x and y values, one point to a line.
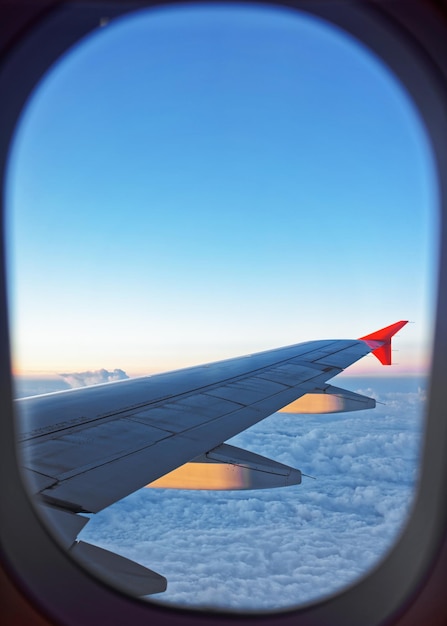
193	183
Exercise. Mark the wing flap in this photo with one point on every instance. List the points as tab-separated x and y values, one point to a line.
330	399
118	571
228	467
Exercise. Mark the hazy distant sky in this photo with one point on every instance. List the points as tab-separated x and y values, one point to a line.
193	183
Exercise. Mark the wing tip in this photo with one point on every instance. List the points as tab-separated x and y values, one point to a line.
380	341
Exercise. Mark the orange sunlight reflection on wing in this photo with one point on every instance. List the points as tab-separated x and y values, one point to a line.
215	476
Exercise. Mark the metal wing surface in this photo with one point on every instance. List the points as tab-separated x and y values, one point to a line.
84	449
90	447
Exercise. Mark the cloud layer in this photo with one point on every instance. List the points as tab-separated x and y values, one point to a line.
281	547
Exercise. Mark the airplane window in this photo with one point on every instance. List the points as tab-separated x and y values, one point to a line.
190	184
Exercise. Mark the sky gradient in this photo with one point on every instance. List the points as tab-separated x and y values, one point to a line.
193	183
190	184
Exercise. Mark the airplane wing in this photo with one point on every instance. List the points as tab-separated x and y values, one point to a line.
83	449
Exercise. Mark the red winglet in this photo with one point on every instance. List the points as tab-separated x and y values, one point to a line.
380	341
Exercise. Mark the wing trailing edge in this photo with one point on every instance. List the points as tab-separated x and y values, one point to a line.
380	341
329	399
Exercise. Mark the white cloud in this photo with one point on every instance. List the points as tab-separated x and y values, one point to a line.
84	379
279	547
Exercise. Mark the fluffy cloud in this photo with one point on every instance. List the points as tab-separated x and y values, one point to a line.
84	379
281	547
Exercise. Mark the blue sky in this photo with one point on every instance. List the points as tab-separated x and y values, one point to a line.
194	183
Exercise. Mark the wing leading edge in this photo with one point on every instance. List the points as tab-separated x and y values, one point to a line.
84	449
